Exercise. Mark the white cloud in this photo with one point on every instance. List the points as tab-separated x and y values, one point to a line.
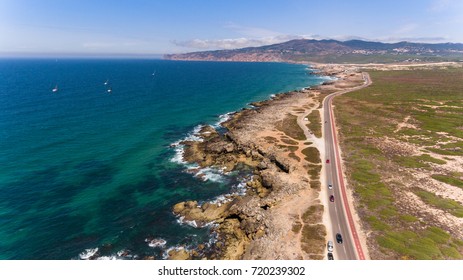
341	38
431	40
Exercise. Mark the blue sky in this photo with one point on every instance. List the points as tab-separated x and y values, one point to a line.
173	26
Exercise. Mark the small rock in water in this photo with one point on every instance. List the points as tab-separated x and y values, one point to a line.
156	242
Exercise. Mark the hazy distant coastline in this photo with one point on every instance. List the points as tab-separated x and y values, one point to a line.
333	51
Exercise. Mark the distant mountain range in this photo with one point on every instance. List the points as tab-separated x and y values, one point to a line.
354	51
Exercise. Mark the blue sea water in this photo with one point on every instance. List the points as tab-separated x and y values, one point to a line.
84	170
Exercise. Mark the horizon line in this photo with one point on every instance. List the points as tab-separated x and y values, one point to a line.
51	55
8	54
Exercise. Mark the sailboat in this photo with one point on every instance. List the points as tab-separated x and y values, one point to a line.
55	89
109	90
107	81
154	73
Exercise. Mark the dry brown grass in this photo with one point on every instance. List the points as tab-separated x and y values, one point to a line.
290	127
313	239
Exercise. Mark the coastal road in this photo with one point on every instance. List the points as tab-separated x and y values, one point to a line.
340	214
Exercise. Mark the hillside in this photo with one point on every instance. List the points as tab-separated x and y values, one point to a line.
353	51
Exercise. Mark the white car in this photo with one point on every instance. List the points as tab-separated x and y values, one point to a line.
330	186
330	246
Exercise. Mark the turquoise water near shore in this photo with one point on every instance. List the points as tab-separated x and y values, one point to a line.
84	171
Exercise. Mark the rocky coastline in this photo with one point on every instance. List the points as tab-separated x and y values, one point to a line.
280	216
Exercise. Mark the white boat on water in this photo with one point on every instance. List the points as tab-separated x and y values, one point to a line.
55	89
106	83
109	90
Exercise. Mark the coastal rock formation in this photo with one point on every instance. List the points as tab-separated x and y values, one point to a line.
179	255
255	140
201	215
217	150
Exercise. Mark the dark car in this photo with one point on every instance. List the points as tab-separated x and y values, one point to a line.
339	238
330	256
332	198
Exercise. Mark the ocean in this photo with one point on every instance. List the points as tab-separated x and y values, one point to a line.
86	172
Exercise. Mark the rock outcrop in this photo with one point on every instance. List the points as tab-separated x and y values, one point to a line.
243	220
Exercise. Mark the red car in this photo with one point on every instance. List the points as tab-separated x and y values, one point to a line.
332	198
327	161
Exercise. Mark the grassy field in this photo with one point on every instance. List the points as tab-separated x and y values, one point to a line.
290	127
408	123
314	124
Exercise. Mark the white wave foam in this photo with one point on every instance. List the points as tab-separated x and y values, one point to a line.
329	78
221	199
120	255
213	239
156	242
178	157
107	258
179	148
123	255
241	188
88	253
237	190
204	174
181	220
222	118
93	254
211	174
192	136
195	136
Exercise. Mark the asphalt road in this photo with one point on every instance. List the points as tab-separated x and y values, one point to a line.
339	212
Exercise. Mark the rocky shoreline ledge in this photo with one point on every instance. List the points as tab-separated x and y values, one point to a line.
280	216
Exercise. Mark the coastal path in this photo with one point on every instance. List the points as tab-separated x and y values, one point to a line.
339	210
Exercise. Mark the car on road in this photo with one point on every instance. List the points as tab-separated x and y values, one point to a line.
327	161
330	186
332	198
339	238
329	246
330	256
